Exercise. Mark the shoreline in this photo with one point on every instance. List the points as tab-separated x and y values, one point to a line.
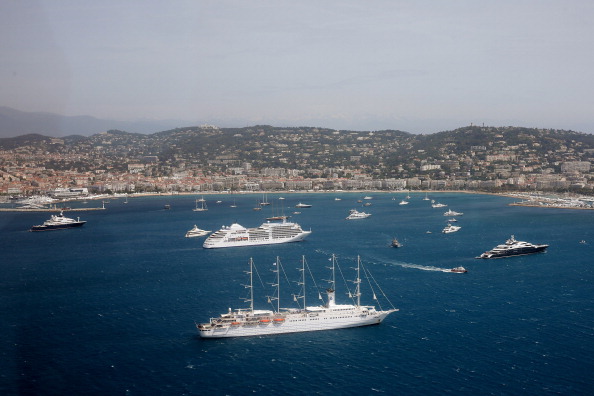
535	200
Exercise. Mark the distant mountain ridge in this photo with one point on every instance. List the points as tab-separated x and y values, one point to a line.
16	123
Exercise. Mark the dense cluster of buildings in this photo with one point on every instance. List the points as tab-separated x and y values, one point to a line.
256	158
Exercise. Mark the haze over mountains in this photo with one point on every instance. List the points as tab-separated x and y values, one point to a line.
15	123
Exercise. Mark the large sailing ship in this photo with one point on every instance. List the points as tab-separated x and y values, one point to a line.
266	234
253	322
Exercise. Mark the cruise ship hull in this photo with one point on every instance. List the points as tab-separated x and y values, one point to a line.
298	324
252	242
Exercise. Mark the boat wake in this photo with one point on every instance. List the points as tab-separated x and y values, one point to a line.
398	263
423	267
417	266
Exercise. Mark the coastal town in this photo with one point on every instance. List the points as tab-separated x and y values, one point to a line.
208	159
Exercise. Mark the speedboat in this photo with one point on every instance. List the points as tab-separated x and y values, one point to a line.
459	270
395	243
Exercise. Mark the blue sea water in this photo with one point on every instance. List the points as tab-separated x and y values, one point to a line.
109	309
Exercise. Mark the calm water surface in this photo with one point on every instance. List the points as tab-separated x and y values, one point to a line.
110	308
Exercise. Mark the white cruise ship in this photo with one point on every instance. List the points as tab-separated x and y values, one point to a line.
250	322
268	233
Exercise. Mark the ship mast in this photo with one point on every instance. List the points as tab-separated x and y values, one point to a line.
277	285
251	286
302	283
358	282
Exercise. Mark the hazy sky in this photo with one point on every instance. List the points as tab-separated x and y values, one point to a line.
419	65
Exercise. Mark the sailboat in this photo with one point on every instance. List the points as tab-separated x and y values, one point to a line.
265	200
277	320
202	206
276	216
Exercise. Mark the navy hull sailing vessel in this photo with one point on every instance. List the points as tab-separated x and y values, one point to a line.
253	322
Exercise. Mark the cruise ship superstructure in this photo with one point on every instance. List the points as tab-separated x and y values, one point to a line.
252	322
268	233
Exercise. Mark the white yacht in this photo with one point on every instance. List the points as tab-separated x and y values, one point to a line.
196	232
355	215
451	212
251	322
302	205
450	228
403	202
268	233
437	204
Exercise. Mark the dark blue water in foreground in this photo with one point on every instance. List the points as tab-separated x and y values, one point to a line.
109	309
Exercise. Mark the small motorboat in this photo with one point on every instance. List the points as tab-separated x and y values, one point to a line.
395	243
459	270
